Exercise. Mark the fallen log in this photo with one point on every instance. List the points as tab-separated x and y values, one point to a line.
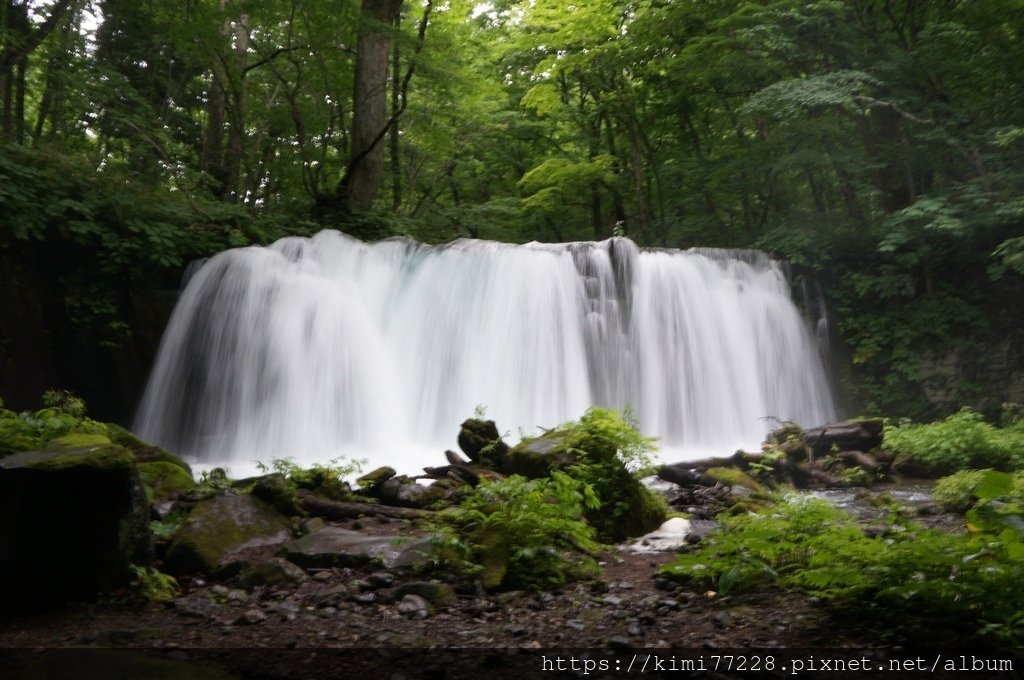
328	509
851	435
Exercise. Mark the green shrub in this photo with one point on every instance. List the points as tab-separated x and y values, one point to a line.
610	455
520	533
326	479
63	414
961	441
809	544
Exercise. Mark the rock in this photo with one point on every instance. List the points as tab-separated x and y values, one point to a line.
375	478
78	440
335	547
481	441
436	593
535	458
734	478
220	527
71	523
331	597
413	607
251	617
272	572
406	493
276	491
163	479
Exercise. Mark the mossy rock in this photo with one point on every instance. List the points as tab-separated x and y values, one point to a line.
436	593
78	440
481	441
274	572
734	477
71	524
276	491
538	457
162	479
221	527
375	478
496	554
144	451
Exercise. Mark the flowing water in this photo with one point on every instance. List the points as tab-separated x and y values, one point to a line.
327	346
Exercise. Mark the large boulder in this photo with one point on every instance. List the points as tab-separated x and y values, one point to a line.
218	529
71	523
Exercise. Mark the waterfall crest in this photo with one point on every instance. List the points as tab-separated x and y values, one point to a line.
327	346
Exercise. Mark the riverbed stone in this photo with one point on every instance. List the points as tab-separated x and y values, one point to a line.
71	524
273	572
221	527
337	547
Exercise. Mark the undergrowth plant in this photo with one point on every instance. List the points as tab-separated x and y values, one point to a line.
62	413
520	533
327	479
807	543
963	440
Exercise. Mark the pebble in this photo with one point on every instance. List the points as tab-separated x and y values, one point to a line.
321	576
612	600
251	617
413	607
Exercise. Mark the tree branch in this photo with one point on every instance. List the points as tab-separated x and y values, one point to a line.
17	50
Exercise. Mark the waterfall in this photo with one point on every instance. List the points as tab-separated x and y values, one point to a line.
327	346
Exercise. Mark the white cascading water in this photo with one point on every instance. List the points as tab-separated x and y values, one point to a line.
325	347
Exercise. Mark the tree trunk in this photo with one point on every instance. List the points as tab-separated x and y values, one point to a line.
363	180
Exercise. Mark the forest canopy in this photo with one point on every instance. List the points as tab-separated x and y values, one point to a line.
878	145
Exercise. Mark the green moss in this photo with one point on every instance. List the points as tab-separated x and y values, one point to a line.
162	479
734	477
220	526
105	457
78	440
125	438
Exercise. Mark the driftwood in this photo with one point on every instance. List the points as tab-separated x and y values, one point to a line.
325	507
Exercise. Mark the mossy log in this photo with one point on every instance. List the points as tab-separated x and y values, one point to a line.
324	507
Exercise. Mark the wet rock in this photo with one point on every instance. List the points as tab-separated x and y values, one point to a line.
336	547
219	528
71	523
373	479
251	617
163	479
436	593
481	441
404	492
413	607
278	493
331	597
273	572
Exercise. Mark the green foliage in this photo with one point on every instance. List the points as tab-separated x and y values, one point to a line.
519	533
63	415
612	455
809	544
963	440
151	585
326	479
960	491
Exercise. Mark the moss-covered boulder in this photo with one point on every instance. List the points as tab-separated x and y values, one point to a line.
144	451
71	523
481	441
276	491
163	479
78	440
539	457
735	478
595	450
218	529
